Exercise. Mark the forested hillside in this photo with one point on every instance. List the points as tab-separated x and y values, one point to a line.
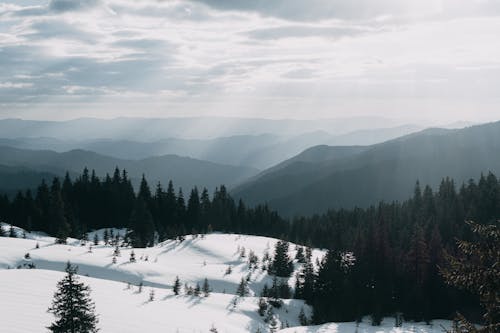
321	178
381	260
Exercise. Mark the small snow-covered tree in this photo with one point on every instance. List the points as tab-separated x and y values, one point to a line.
206	288
273	325
132	256
12	232
105	236
152	295
197	290
242	290
262	306
303	318
177	286
96	239
72	306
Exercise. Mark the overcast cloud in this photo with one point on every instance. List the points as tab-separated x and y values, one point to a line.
412	59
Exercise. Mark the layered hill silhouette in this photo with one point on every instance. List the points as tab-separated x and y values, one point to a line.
183	171
326	177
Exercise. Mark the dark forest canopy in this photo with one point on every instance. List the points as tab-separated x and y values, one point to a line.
398	246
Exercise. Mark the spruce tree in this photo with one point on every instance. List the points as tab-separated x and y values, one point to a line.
12	232
197	290
177	286
477	269
72	306
206	288
282	265
242	290
132	256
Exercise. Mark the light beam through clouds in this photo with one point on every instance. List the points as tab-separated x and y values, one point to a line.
274	59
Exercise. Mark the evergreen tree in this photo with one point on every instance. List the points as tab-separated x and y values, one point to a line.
243	290
132	256
273	325
177	286
12	232
105	237
59	224
72	306
206	288
197	290
141	224
281	266
302	318
477	269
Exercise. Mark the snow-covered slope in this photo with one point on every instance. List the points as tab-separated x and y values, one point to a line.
25	294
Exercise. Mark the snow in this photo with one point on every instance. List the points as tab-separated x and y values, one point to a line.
25	294
387	326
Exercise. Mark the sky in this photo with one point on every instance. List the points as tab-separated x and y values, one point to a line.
412	59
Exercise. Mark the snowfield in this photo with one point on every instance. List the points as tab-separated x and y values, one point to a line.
25	294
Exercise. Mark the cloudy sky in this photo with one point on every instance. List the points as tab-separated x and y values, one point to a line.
412	59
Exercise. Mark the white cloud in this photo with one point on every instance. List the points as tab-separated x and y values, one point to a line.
308	58
15	85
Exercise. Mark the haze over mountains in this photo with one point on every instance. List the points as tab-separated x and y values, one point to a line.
297	170
184	171
333	177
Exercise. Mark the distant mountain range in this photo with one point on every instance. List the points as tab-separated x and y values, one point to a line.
257	151
154	129
185	172
326	177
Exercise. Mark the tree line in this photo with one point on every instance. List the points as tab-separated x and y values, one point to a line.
381	260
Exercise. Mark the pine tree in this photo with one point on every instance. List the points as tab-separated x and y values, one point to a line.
96	239
132	256
302	318
273	325
177	286
12	232
56	213
105	237
72	306
197	290
242	290
477	270
282	265
206	288
152	295
262	307
300	255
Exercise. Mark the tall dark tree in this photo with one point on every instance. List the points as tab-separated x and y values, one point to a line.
141	225
72	306
477	269
56	214
282	265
